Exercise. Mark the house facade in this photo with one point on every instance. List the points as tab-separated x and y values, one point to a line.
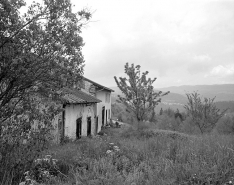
87	107
103	108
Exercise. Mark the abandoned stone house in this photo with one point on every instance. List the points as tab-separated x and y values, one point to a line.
86	110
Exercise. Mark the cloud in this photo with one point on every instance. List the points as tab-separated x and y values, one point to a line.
173	40
199	64
221	71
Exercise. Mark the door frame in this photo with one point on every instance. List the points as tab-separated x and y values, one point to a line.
103	115
79	128
89	126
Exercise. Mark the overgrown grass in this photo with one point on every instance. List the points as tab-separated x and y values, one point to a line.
148	156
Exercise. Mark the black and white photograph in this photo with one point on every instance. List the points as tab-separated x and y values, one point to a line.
116	92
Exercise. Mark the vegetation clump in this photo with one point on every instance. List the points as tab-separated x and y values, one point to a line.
204	113
45	170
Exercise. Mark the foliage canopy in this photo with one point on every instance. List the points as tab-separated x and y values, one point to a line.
139	95
40	52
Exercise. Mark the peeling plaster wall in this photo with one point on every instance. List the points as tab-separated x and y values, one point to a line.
73	112
101	95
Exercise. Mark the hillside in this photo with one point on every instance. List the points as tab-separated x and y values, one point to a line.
223	92
177	97
170	98
222	105
174	98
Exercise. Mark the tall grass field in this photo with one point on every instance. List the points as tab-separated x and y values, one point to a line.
145	156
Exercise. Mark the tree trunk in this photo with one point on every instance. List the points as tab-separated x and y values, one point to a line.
138	123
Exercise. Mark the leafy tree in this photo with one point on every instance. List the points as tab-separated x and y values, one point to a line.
204	113
40	52
140	97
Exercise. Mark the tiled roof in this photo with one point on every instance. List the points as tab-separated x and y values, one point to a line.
99	85
78	96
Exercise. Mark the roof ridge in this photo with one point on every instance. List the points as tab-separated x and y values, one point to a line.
73	95
97	84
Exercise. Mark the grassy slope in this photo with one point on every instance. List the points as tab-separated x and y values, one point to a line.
149	156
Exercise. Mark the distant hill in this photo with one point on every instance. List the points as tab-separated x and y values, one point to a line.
174	98
170	98
177	97
223	92
222	105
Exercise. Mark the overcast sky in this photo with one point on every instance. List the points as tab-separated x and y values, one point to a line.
179	42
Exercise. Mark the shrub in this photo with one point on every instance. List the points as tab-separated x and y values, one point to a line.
225	125
19	151
168	123
188	127
204	113
65	140
45	170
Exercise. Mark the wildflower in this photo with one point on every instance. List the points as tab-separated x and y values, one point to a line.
26	173
46	173
38	161
27	178
30	182
54	161
116	148
46	159
48	156
108	152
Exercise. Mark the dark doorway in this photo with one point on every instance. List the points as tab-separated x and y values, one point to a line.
89	126
106	116
103	115
78	128
96	125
